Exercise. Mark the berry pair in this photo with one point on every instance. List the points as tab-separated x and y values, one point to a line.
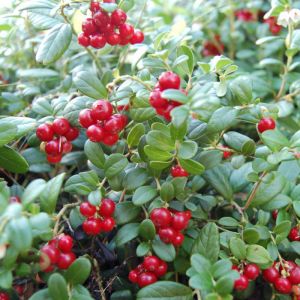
273	26
170	225
149	271
57	138
266	124
104	28
244	15
294	234
163	107
102	125
247	272
99	219
283	276
178	171
213	48
57	252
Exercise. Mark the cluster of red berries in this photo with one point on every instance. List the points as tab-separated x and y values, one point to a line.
169	224
294	234
57	137
266	124
112	29
149	271
163	107
247	272
284	276
57	252
273	26
99	218
178	171
213	48
102	125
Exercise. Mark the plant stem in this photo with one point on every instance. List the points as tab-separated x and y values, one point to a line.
98	279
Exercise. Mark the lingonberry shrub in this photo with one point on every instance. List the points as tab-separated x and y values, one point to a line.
156	168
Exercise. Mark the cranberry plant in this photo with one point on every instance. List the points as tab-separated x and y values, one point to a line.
150	150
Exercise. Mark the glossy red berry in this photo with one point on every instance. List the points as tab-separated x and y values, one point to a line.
133	276
126	31
241	283
251	271
72	134
108	224
161	217
178	171
102	110
54	159
113	125
167	235
94	7
45	132
66	147
245	15
61	126
294	234
92	226
169	80
124	41
157	101
283	285
97	41
113	39
294	277
137	38
179	221
162	269
14	199
118	17
151	263
145	279
65	243
107	207
4	296
266	124
274	214
53	147
88	26
65	260
101	19
87	209
270	274
110	139
95	133
51	252
226	154
85	118
178	239
83	40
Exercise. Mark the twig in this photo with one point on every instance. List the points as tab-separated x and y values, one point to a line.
99	279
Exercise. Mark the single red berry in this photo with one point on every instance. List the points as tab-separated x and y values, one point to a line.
294	277
49	269
95	6
123	107
226	154
294	234
137	38
169	80
235	267
109	1
126	31
95	133
19	289
65	243
66	147
122	119
108	224
88	27
113	39
274	214
251	271
270	274
65	260
161	217
108	29
241	283
188	214
72	134
146	278
110	139
102	110
178	239
283	285
288	266
180	221
83	40
101	19
54	159
118	17
124	41
45	132
162	269
53	147
157	101
133	276
92	226
51	252
244	15
97	41
87	209
4	296
14	199
266	124
85	118
178	171
61	126
167	235
107	207
113	125
151	263
275	28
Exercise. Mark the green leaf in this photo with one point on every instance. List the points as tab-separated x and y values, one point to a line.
115	164
143	195
12	161
258	255
79	271
237	248
191	166
240	142
156	154
147	230
202	281
176	95
41	295
199	262
135	178
33	191
165	290
24	125
167	192
228	222
126	212
274	139
187	66
282	230
88	83
127	233
241	91
164	251
142	249
6	279
187	149
94	153
160	140
82	183
222	119
134	135
57	287
8	132
54	44
251	235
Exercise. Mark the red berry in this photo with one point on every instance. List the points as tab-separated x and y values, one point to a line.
244	15
178	239
137	38
294	277
83	40
61	126
53	147
266	124
66	147
270	274
274	214
4	296
294	234
179	221
107	207
122	119
151	263
118	17
65	260
188	214
45	132
51	252
126	31
113	39
72	134
288	266
162	269
54	159
133	276
124	41
167	112
65	243
95	133
14	199
157	101
113	125
102	110
109	1
101	19
169	80
161	217
226	154
87	209
95	6
88	27
178	171
283	285
251	271
85	118
110	139
97	41
108	224
49	269
275	28
146	278
19	289
167	235
241	283
92	226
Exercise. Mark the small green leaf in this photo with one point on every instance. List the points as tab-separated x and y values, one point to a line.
134	135
12	161
79	271
115	164
57	287
147	230
164	251
127	233
126	212
167	192
191	166
94	153
143	195
238	248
